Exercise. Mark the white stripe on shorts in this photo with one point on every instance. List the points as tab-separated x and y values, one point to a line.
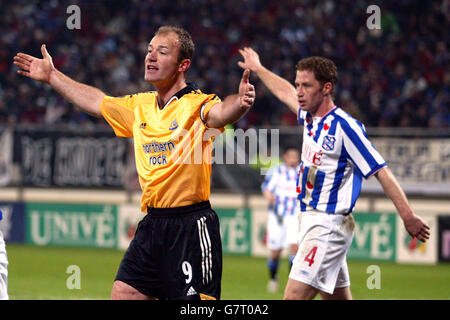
205	244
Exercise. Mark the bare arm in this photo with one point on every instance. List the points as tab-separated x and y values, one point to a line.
85	97
279	86
415	226
233	107
269	196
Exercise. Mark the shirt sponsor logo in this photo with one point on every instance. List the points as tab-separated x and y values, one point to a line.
154	147
158	152
311	154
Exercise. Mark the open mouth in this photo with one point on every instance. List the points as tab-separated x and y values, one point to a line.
151	68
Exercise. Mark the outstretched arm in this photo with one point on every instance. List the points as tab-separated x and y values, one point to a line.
415	226
233	107
85	97
280	87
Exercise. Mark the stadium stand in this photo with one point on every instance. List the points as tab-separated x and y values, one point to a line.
396	76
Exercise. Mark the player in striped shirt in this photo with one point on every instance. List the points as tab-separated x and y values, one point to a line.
336	155
279	188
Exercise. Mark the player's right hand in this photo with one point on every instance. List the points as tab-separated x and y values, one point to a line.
251	59
34	68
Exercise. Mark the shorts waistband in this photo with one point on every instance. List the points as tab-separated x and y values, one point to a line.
314	211
175	211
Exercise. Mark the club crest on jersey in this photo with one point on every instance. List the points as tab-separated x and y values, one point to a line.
173	125
328	143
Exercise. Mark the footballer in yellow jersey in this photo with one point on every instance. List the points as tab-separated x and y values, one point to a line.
173	145
176	252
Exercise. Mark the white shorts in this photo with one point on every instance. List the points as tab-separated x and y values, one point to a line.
280	236
3	270
324	240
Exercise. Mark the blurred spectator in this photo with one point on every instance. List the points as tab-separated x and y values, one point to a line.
396	76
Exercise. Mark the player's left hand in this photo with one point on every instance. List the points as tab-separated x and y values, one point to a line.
251	59
417	228
246	91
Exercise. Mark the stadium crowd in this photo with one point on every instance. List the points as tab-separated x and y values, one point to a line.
394	76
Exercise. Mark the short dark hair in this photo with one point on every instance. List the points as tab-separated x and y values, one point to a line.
324	70
288	148
187	47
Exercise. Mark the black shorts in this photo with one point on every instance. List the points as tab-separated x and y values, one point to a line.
176	253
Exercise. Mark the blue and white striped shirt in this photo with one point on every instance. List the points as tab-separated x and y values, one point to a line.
281	181
336	154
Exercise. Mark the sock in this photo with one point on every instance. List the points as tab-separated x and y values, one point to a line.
273	268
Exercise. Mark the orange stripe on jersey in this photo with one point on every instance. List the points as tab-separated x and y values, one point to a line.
173	146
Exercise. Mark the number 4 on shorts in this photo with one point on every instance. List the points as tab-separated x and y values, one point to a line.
310	256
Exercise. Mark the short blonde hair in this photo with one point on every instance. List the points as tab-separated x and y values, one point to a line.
187	47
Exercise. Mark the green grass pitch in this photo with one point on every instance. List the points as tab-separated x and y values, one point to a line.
40	273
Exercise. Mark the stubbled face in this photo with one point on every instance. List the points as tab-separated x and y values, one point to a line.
291	158
309	91
161	61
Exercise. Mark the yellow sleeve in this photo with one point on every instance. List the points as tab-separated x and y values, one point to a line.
119	113
209	102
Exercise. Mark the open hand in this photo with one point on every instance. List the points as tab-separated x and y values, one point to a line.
34	68
251	59
246	91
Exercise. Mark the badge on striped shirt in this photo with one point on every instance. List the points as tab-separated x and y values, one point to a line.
328	143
